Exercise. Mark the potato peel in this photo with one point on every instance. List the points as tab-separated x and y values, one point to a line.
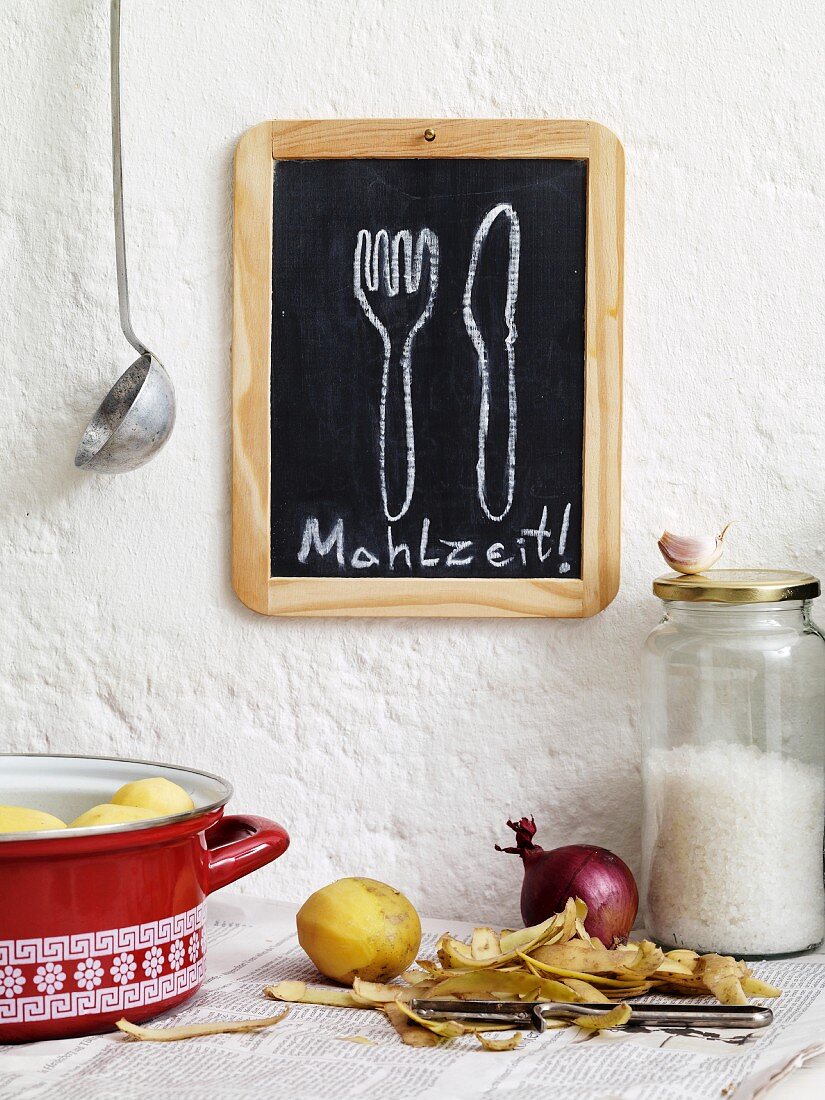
583	957
301	993
616	1017
451	1029
445	1029
553	961
582	975
586	992
410	992
647	960
375	992
193	1031
485	944
409	1032
721	975
673	966
754	988
571	915
497	985
628	991
415	976
535	935
427	965
553	990
684	958
581	932
452	953
499	1044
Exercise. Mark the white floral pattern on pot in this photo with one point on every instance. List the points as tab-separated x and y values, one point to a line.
123	968
177	955
89	974
153	962
11	981
106	971
50	978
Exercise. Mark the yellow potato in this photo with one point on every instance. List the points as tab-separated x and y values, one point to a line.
154	794
20	819
107	814
359	928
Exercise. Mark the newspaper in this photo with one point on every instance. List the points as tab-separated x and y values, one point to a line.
252	942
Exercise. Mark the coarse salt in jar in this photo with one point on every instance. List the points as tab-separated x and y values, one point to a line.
733	729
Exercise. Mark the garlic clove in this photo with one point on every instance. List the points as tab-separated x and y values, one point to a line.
692	553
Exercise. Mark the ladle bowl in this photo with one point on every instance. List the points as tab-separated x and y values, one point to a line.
132	423
138	413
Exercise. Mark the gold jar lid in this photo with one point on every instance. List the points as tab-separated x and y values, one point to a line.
737	586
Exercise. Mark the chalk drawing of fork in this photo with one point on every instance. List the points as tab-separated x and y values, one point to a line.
387	281
482	356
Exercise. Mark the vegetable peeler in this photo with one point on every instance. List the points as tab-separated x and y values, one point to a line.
535	1014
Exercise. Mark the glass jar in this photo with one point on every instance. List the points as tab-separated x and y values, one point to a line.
733	734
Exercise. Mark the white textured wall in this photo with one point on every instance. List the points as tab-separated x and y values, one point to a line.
395	749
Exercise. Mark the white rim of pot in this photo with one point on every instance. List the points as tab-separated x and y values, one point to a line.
128	827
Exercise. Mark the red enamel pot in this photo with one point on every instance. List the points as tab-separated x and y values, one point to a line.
104	923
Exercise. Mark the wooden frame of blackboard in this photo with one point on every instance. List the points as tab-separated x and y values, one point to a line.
255	157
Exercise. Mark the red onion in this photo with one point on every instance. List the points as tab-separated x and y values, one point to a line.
602	880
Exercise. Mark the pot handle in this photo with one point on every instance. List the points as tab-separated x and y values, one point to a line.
239	844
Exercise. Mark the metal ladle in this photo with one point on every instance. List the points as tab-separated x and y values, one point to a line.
138	413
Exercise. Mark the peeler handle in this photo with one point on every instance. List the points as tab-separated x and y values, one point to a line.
535	1014
671	1015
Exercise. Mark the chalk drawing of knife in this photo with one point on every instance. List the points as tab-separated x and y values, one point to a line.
504	210
387	281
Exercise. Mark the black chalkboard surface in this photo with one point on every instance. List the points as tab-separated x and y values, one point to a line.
428	368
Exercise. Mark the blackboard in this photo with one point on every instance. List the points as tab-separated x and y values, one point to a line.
521	226
427	370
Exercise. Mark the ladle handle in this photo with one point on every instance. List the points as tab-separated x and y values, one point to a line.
117	189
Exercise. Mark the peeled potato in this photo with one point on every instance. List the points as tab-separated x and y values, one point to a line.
20	819
359	928
107	814
158	794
